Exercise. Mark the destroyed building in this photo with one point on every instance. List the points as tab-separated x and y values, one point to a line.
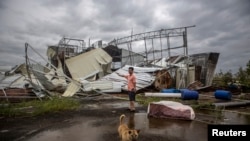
73	67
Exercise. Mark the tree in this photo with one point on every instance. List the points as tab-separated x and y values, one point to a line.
244	75
227	77
247	81
248	68
241	75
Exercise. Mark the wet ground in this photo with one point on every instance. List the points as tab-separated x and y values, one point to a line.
98	121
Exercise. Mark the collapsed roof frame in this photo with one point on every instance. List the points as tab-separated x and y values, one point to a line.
157	34
162	33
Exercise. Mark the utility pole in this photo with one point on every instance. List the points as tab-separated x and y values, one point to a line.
186	54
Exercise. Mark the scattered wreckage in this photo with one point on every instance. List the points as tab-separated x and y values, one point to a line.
74	70
89	71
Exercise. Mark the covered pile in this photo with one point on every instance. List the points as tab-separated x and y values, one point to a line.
170	109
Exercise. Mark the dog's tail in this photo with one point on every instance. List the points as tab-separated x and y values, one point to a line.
121	118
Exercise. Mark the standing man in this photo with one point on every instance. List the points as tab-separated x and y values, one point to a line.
131	87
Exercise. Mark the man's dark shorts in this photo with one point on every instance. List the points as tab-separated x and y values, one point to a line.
131	95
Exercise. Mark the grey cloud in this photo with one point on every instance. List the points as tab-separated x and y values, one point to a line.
2	4
124	15
221	26
211	17
57	3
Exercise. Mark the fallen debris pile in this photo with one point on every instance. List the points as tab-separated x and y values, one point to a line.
79	73
71	69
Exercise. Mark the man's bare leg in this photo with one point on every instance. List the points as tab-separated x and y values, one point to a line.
132	105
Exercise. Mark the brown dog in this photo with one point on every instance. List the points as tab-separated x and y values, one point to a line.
125	133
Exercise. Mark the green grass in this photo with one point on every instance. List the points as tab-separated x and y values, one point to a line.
37	107
142	100
208	105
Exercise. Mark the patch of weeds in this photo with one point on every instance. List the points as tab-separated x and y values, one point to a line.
37	107
143	100
205	105
146	100
8	110
55	105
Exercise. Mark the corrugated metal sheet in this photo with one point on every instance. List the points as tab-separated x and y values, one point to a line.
57	84
141	69
72	88
82	65
100	85
17	81
8	80
117	88
144	76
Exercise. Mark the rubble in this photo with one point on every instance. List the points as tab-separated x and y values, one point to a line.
74	68
92	70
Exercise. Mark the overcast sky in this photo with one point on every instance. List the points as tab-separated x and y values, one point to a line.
222	26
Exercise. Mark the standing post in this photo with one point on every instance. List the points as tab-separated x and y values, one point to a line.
132	57
186	54
168	44
153	51
161	44
146	51
64	52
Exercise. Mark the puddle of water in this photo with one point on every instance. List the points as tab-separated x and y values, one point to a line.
234	118
114	105
86	130
237	116
97	129
172	129
227	116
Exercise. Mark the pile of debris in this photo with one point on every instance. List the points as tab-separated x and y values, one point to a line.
76	70
78	74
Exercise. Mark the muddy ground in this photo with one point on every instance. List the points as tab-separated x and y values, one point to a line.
97	120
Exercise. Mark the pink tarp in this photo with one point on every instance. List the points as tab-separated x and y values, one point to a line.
170	109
